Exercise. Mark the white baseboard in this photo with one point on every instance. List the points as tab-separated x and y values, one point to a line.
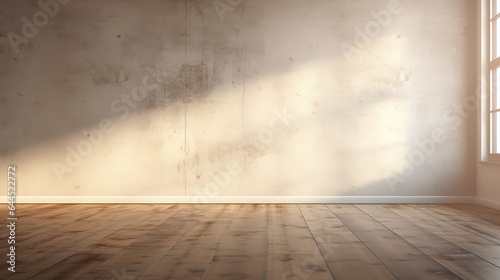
488	203
243	199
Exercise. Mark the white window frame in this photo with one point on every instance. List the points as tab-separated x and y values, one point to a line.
494	85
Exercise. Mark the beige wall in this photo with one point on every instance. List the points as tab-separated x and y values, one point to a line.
240	98
488	187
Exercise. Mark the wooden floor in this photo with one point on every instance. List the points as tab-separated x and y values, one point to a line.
310	241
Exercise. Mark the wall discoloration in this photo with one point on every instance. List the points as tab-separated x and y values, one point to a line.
213	86
197	78
108	74
184	84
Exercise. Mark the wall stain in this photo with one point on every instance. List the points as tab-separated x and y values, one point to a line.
196	79
108	74
37	107
184	84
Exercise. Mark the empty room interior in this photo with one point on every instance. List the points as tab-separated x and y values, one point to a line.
250	139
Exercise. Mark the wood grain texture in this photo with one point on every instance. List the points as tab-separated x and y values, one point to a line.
401	258
453	257
293	252
346	256
260	241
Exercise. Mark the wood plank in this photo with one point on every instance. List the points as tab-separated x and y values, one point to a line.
298	267
401	258
192	254
288	232
251	218
242	253
237	267
456	259
63	245
291	246
478	212
255	242
345	255
468	221
189	266
453	232
154	242
125	234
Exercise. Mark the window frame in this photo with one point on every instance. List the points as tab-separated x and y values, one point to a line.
493	59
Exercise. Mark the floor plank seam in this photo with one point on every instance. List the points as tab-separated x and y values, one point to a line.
364	243
407	242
